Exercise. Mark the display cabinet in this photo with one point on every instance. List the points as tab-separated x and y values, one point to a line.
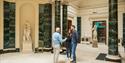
45	25
79	28
9	25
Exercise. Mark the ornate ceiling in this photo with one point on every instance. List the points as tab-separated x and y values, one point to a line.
91	3
80	3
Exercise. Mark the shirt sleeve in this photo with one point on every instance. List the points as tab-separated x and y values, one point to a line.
60	39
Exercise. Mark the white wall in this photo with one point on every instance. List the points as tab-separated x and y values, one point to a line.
101	14
121	10
88	16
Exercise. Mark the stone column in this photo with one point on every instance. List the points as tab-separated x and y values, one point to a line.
113	32
64	19
9	24
123	43
45	24
1	26
79	28
58	13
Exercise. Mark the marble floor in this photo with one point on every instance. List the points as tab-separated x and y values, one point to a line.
85	54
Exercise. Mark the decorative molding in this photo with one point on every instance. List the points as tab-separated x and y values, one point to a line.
99	17
97	5
10	0
74	6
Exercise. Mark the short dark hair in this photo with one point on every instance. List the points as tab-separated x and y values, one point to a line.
73	26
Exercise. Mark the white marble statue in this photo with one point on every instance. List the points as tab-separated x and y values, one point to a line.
27	33
94	37
27	41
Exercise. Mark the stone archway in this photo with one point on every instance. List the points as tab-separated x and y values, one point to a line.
27	15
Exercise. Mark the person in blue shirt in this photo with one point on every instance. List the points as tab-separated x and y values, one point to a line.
74	40
56	42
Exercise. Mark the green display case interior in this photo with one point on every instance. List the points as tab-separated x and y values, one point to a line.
113	28
65	20
9	25
57	13
79	28
45	24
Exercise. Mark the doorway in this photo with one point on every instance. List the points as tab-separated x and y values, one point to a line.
69	24
101	31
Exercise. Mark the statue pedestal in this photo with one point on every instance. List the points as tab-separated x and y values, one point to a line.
113	58
27	47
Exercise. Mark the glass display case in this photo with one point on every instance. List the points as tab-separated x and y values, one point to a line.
45	25
9	25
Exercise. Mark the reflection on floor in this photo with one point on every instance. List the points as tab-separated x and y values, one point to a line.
85	54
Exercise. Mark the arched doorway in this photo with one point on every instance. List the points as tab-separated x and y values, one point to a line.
27	15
